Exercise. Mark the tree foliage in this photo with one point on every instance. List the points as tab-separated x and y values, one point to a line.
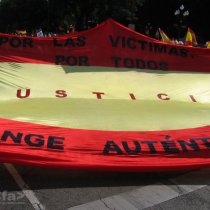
52	14
55	15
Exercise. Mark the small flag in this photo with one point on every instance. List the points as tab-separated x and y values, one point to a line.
164	37
208	44
21	32
39	32
190	37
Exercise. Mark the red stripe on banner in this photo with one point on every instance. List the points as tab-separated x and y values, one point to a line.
41	145
110	44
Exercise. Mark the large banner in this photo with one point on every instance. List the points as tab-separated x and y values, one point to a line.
104	99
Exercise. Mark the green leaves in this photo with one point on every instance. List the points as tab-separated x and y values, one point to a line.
52	14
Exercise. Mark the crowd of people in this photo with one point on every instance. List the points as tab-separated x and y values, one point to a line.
189	39
40	33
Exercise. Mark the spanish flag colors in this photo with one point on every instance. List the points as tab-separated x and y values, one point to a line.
107	99
190	37
21	32
208	44
164	37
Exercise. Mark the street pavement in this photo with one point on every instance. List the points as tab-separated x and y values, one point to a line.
29	188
